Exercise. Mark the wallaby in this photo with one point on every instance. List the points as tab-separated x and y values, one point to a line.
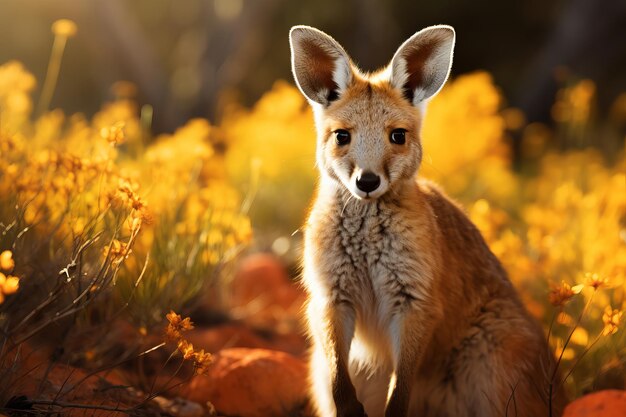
409	312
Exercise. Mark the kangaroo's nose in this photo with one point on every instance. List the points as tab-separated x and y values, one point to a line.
368	182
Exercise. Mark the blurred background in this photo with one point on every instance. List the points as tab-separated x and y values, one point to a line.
187	58
204	58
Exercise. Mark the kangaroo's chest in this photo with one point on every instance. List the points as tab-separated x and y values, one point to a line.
371	257
374	258
365	242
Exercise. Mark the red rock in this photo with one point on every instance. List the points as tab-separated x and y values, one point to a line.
258	274
252	383
294	343
263	294
38	379
609	403
225	336
239	335
73	385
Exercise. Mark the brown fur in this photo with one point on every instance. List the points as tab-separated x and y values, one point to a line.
409	312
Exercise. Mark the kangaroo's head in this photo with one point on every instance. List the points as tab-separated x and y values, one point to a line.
368	125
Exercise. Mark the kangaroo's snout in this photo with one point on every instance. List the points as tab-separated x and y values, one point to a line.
368	182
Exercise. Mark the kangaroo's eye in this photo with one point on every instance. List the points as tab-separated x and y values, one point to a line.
342	137
398	136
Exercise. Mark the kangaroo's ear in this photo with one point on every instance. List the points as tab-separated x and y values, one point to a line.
320	66
422	64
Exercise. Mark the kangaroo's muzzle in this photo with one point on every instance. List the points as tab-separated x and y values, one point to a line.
368	182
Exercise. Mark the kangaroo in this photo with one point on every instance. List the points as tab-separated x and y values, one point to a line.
409	312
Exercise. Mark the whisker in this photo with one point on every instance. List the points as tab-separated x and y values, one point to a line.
350	197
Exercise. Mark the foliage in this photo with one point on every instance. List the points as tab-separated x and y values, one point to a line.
273	145
95	226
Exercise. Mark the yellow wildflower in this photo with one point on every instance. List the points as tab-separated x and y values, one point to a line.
177	321
127	193
117	251
596	280
127	187
611	319
8	285
560	294
173	318
186	349
137	203
202	361
172	334
114	134
134	222
64	27
177	325
11	285
6	261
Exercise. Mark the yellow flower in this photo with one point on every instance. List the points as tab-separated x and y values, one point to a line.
186	349
134	222
64	27
611	319
172	334
11	285
6	261
137	203
127	187
595	280
202	361
8	285
117	251
114	134
560	294
177	323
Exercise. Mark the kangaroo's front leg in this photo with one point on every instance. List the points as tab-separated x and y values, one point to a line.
411	328
333	329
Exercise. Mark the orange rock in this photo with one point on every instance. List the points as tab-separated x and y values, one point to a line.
252	383
294	343
225	336
72	385
609	403
262	276
263	294
231	335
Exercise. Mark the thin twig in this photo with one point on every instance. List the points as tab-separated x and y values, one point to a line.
579	358
63	404
558	362
552	324
569	337
118	363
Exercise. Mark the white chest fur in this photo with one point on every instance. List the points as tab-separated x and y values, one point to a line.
366	255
